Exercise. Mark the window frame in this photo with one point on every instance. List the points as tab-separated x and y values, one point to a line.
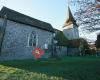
32	39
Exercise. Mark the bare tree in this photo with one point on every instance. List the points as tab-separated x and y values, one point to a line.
87	14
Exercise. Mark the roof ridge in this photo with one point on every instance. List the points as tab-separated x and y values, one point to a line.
25	19
22	14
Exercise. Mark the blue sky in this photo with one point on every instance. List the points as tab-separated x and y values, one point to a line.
51	11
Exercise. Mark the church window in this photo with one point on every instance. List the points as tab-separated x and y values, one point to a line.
32	39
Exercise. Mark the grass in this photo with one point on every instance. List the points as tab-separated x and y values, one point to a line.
9	73
71	68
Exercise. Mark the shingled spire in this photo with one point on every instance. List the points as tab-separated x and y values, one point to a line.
70	19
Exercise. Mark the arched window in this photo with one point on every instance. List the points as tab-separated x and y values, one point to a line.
32	39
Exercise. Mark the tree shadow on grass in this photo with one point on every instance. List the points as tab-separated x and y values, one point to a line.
45	67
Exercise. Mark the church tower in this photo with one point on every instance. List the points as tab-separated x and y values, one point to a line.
70	28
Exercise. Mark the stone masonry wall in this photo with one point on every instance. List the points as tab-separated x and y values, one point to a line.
15	43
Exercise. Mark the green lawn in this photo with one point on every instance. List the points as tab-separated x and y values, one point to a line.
71	68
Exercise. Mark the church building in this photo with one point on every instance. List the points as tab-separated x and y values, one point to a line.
20	34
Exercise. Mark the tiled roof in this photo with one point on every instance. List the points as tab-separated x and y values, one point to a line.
24	19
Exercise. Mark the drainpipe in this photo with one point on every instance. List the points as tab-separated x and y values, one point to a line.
54	52
3	28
